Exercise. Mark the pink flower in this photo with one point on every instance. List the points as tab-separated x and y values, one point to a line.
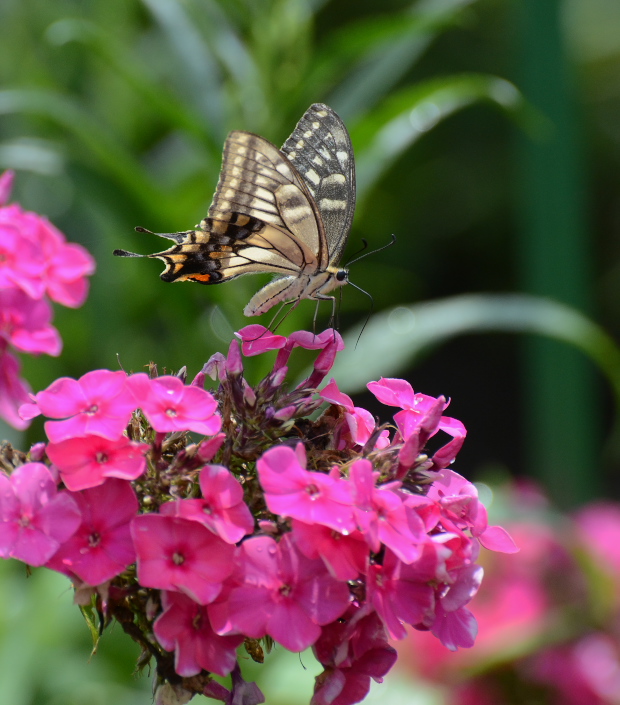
87	461
312	497
99	403
13	390
402	593
35	519
6	186
257	339
344	555
178	554
420	419
101	548
222	509
170	405
278	591
353	649
184	628
383	517
360	422
36	258
25	323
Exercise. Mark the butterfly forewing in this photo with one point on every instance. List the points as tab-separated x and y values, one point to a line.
320	149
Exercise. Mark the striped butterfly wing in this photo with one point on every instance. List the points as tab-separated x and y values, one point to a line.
320	149
262	219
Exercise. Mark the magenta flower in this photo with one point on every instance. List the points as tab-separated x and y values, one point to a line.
312	497
184	628
13	390
99	403
101	548
257	339
296	595
344	555
35	519
25	323
382	515
401	593
353	650
182	555
360	422
222	509
35	257
88	460
6	186
170	405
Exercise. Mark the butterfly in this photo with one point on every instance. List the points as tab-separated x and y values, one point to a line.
286	211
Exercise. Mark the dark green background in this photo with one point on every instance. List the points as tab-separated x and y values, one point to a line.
487	136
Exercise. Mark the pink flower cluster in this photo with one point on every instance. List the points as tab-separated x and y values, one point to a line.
331	533
36	264
549	617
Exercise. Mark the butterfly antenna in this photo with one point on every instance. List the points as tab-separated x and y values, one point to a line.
364	247
372	306
373	252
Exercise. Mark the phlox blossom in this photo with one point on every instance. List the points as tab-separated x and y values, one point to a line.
184	628
35	519
222	508
278	591
182	555
382	516
25	323
293	491
344	555
170	405
353	650
14	392
87	461
100	403
101	548
360	422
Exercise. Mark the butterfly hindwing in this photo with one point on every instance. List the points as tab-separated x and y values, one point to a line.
320	149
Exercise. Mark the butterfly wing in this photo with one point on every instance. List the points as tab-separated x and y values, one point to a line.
262	219
320	149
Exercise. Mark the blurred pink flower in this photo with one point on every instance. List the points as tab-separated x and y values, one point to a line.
25	323
35	519
14	392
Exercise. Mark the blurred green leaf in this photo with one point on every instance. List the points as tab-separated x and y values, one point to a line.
393	340
384	134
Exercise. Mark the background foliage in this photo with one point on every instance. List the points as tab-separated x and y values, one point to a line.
487	139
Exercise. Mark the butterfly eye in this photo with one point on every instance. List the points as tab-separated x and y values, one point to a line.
342	274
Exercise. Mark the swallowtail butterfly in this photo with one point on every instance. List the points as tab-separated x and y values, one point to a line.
285	211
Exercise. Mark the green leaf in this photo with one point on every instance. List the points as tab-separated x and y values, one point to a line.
393	340
384	134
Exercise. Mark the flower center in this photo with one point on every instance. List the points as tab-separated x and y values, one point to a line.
313	491
285	590
197	621
94	539
178	558
92	410
101	457
171	412
206	508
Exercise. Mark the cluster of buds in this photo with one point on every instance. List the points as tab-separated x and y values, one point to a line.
329	531
36	265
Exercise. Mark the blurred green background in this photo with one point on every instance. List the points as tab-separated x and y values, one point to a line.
487	139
